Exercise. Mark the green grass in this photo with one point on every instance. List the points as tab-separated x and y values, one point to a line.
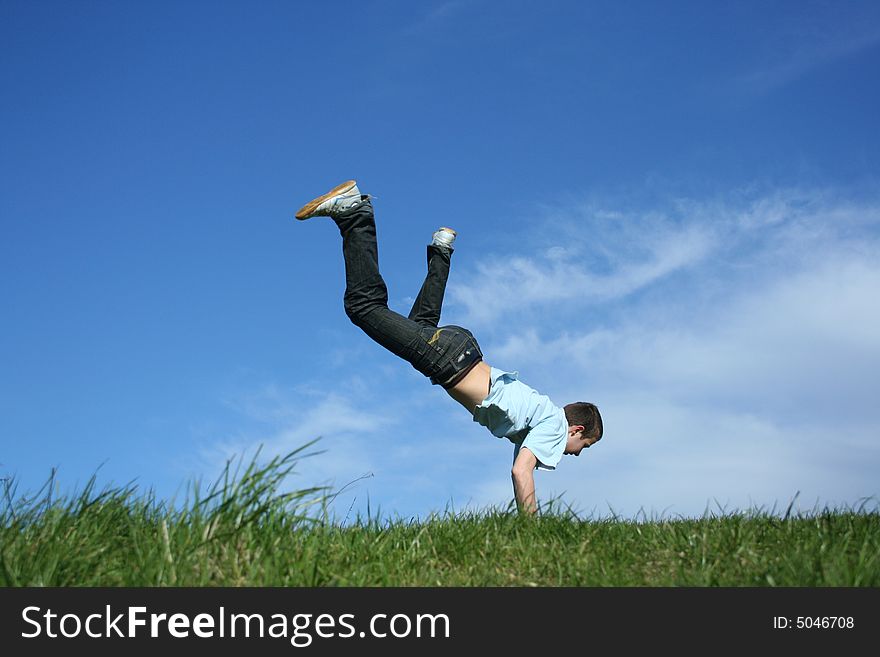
243	531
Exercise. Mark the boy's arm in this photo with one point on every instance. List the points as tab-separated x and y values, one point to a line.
523	475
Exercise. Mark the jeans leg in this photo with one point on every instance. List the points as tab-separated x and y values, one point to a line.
427	306
364	287
366	296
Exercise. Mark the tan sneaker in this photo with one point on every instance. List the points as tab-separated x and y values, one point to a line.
340	198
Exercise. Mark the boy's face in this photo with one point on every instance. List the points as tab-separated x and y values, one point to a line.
577	442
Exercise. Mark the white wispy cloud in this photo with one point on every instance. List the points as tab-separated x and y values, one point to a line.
607	255
626	256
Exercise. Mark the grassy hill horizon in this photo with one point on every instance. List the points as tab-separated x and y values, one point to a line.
246	530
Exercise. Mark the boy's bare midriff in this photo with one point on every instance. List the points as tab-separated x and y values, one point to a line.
473	388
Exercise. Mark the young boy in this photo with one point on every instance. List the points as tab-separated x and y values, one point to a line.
449	355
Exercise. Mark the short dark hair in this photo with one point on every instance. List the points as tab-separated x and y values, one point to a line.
586	415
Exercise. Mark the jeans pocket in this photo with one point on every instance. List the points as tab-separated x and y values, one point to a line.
423	351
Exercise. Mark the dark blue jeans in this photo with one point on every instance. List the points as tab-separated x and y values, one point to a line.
442	353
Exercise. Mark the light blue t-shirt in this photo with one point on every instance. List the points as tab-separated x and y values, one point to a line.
525	417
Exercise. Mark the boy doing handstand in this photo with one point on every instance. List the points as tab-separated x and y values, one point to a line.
450	355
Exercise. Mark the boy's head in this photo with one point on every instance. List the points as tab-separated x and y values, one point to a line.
584	426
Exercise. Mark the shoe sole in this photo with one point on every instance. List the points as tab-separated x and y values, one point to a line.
311	206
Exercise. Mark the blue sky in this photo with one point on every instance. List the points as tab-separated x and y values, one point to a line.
670	209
